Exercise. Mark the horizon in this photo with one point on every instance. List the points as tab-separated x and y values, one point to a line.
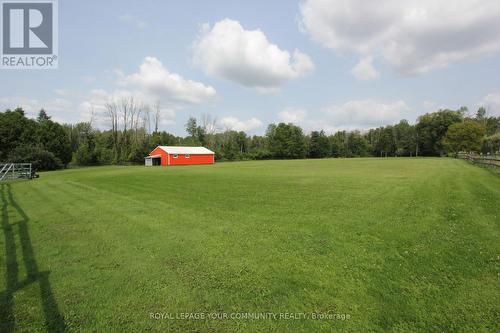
468	115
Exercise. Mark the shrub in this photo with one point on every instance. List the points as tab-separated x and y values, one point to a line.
40	158
465	136
260	154
491	144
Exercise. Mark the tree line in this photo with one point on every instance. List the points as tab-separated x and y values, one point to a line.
134	131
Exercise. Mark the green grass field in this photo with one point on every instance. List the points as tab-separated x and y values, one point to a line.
397	245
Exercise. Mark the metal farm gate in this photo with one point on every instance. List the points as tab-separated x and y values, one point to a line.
15	171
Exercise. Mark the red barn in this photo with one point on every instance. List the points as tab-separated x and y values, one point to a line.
172	155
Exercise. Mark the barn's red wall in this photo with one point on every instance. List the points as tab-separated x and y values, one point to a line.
193	159
164	155
181	159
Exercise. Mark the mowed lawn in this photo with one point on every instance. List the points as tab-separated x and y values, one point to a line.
396	244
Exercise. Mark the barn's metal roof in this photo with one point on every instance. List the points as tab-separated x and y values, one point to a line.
186	150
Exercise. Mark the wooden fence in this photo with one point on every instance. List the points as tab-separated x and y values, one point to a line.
484	160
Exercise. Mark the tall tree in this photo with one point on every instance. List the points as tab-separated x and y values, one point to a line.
197	133
357	145
404	138
465	136
492	125
319	145
42	116
481	115
191	127
286	141
54	138
15	130
431	129
339	144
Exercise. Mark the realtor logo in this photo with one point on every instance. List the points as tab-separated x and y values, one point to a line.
29	34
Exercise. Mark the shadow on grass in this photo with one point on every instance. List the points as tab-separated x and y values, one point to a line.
54	321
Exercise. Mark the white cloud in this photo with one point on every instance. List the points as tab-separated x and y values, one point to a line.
413	36
31	106
155	81
93	107
364	70
235	124
351	115
60	109
363	114
292	115
151	84
247	57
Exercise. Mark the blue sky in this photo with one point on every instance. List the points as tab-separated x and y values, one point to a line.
321	64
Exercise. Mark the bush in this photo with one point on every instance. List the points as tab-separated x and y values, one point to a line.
260	154
40	158
465	136
491	144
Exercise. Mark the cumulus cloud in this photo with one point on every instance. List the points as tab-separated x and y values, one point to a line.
247	57
235	124
292	115
413	36
93	106
151	84
364	70
60	109
363	114
154	80
351	115
31	106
